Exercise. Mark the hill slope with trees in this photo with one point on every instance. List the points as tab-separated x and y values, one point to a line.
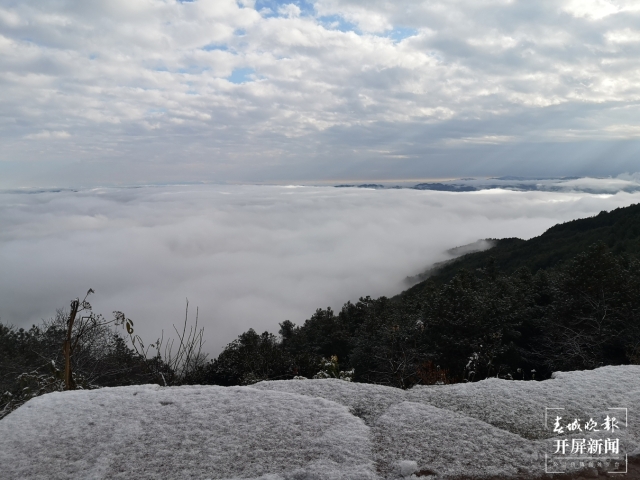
619	230
566	300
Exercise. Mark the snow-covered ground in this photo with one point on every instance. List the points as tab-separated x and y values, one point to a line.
312	429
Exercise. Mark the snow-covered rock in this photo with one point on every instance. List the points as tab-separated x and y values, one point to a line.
364	400
183	432
446	444
485	429
519	406
310	429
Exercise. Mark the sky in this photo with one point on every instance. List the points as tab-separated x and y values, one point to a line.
131	92
250	256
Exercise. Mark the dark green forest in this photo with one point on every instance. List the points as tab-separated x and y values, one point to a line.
619	230
566	300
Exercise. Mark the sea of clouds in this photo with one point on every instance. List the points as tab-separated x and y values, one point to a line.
247	256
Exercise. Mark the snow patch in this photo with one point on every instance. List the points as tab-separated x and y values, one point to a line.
448	444
364	400
183	432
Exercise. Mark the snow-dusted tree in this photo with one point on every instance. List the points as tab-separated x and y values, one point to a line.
389	350
331	369
83	324
594	319
93	354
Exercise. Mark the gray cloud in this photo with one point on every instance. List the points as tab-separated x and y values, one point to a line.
135	92
250	256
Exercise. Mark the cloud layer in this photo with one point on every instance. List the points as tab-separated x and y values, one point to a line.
248	256
159	90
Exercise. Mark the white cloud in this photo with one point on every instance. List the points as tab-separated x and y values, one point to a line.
249	256
626	35
486	139
372	20
595	9
47	134
624	131
137	80
290	10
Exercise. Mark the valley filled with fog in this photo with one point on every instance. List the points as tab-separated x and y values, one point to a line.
247	256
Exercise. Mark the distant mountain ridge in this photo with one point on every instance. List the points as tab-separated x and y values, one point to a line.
611	185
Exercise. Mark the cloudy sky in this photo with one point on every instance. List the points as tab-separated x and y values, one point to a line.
153	91
248	256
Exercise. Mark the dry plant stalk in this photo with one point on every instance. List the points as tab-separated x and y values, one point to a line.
187	357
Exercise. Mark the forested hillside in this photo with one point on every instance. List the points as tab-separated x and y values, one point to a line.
566	300
619	230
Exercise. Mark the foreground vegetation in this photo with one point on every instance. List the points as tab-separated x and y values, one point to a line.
82	350
567	300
